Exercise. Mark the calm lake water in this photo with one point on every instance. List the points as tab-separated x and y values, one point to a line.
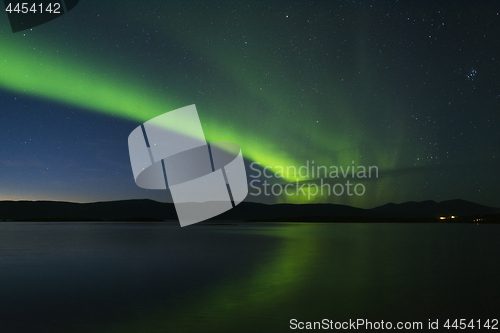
244	277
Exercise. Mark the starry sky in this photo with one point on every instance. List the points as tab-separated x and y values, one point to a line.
408	86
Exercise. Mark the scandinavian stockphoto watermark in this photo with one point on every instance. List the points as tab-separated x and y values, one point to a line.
326	180
204	179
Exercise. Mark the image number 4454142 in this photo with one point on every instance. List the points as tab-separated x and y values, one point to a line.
27	15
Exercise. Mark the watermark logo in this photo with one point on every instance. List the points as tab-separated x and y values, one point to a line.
310	181
204	179
29	14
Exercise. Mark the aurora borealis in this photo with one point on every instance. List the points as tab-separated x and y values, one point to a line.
410	89
399	99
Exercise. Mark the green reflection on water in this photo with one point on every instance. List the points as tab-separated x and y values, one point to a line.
390	272
230	304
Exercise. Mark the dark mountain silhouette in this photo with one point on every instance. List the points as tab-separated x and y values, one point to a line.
98	211
433	209
148	210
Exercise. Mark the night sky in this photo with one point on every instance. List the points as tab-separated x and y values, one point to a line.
409	86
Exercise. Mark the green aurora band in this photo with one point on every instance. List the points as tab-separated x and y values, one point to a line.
100	86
